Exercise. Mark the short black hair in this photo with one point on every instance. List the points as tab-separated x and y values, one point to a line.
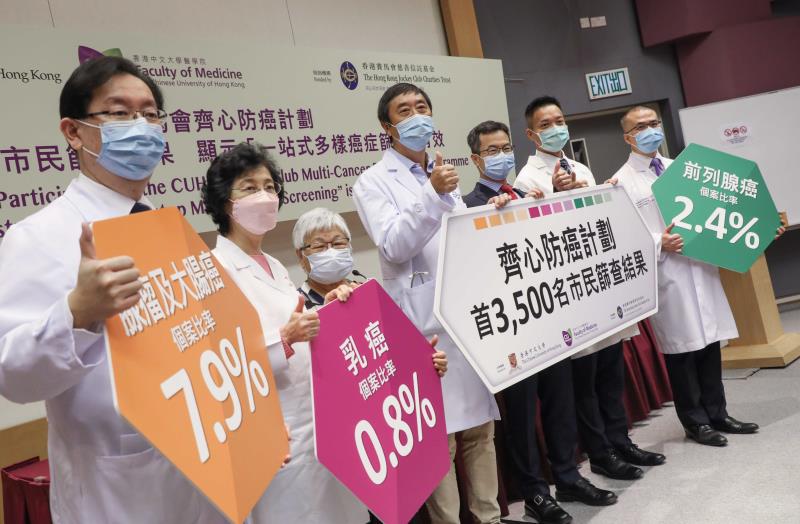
536	103
89	76
225	170
395	91
484	128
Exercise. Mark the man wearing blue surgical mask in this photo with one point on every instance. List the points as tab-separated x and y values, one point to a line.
549	169
57	293
401	201
693	312
493	155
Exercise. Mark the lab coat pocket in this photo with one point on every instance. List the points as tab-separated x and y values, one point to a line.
417	304
132	444
152	488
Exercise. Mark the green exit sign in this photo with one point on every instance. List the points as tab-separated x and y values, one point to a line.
613	82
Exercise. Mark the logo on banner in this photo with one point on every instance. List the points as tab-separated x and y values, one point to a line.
567	337
349	75
86	53
619	311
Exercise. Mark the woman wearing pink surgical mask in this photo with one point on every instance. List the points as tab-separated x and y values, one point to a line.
242	194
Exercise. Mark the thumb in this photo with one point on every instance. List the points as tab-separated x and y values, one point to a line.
438	162
433	341
300	304
555	168
669	228
87	242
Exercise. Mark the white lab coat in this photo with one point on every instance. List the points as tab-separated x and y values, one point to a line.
403	218
538	172
101	469
303	491
693	310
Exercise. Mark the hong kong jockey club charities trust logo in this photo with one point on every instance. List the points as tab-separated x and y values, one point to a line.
86	53
567	337
349	75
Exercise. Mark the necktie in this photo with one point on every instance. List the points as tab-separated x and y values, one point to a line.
565	165
138	207
505	188
657	165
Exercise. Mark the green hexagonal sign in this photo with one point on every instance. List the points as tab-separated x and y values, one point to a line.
720	205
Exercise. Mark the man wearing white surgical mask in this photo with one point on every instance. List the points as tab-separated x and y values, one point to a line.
549	169
57	293
401	201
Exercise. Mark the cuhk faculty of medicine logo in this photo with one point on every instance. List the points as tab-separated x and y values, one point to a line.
87	53
567	337
349	75
619	311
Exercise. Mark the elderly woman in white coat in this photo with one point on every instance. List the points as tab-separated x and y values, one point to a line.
693	311
322	243
242	194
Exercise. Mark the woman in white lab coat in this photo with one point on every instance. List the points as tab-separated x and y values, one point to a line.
242	194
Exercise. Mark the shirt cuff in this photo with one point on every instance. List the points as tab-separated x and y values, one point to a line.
441	203
88	348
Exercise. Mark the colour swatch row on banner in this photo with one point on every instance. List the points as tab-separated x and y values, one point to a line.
517	215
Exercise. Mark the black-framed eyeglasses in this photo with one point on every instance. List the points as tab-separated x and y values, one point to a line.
154	116
644	125
319	247
272	187
493	150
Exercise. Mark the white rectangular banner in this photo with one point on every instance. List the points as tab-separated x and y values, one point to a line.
529	285
314	109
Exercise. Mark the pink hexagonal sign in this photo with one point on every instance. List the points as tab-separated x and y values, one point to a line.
378	410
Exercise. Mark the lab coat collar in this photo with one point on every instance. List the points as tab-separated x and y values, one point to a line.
536	162
641	162
547	160
241	261
400	168
95	201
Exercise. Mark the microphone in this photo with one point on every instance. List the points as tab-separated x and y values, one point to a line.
565	166
359	274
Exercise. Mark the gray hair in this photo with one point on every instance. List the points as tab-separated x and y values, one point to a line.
318	219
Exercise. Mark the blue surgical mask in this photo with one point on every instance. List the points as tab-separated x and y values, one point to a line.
415	132
497	167
330	266
647	141
554	138
131	148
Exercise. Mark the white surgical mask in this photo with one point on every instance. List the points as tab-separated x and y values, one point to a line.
330	266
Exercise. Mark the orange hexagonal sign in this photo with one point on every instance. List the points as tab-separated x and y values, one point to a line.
188	362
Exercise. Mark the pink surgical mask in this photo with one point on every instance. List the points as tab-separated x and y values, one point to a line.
257	213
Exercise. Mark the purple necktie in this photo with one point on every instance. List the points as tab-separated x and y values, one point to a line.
657	166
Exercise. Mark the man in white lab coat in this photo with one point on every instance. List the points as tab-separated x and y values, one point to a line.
548	169
693	312
401	200
598	372
56	294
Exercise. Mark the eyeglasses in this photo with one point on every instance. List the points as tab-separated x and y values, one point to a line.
272	187
154	116
493	150
319	247
644	125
